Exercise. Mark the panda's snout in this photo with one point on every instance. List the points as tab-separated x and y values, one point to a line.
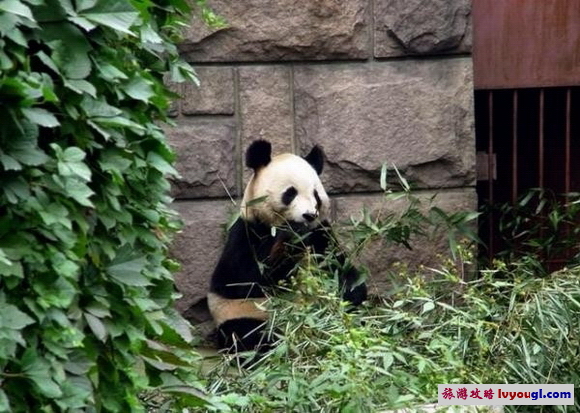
309	217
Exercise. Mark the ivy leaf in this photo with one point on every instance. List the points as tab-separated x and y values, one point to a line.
98	309
83	23
69	49
116	14
78	363
13	269
25	150
9	163
12	318
5	62
8	22
179	325
148	35
138	88
85	4
73	154
96	326
41	117
121	122
71	164
16	7
81	86
76	392
65	267
78	191
17	37
44	58
110	72
4	402
12	321
59	293
15	189
156	161
130	272
38	370
113	161
98	108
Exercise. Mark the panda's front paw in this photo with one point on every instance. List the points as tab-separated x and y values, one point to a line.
355	295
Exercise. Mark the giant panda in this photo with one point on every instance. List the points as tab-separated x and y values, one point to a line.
284	197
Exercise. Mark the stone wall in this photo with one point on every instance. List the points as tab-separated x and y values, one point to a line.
371	81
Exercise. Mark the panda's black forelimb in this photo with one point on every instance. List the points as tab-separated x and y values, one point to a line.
352	288
243	334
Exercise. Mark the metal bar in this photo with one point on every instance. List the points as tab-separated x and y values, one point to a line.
541	155
541	141
567	166
490	169
515	147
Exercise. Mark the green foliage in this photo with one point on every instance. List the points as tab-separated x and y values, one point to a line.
86	290
540	226
395	352
433	327
416	217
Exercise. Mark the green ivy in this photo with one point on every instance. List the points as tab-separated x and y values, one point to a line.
86	290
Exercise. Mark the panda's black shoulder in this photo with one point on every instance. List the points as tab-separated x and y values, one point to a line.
237	274
246	234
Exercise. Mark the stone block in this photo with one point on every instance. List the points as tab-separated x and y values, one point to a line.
417	27
383	259
266	107
214	96
206	158
415	114
198	246
281	30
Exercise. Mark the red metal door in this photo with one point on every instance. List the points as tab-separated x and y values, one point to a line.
526	43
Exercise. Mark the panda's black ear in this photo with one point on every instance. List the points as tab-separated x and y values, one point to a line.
316	159
258	154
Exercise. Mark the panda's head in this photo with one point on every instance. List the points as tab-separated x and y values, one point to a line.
284	189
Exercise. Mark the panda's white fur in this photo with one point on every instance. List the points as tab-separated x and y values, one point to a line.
224	309
285	192
262	197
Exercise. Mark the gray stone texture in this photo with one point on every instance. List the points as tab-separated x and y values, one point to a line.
420	27
214	95
428	252
271	30
415	114
266	107
198	246
206	158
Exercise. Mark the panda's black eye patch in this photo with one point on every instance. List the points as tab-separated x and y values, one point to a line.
289	195
318	200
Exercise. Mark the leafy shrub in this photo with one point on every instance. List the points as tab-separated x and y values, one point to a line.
540	226
86	289
504	326
395	352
